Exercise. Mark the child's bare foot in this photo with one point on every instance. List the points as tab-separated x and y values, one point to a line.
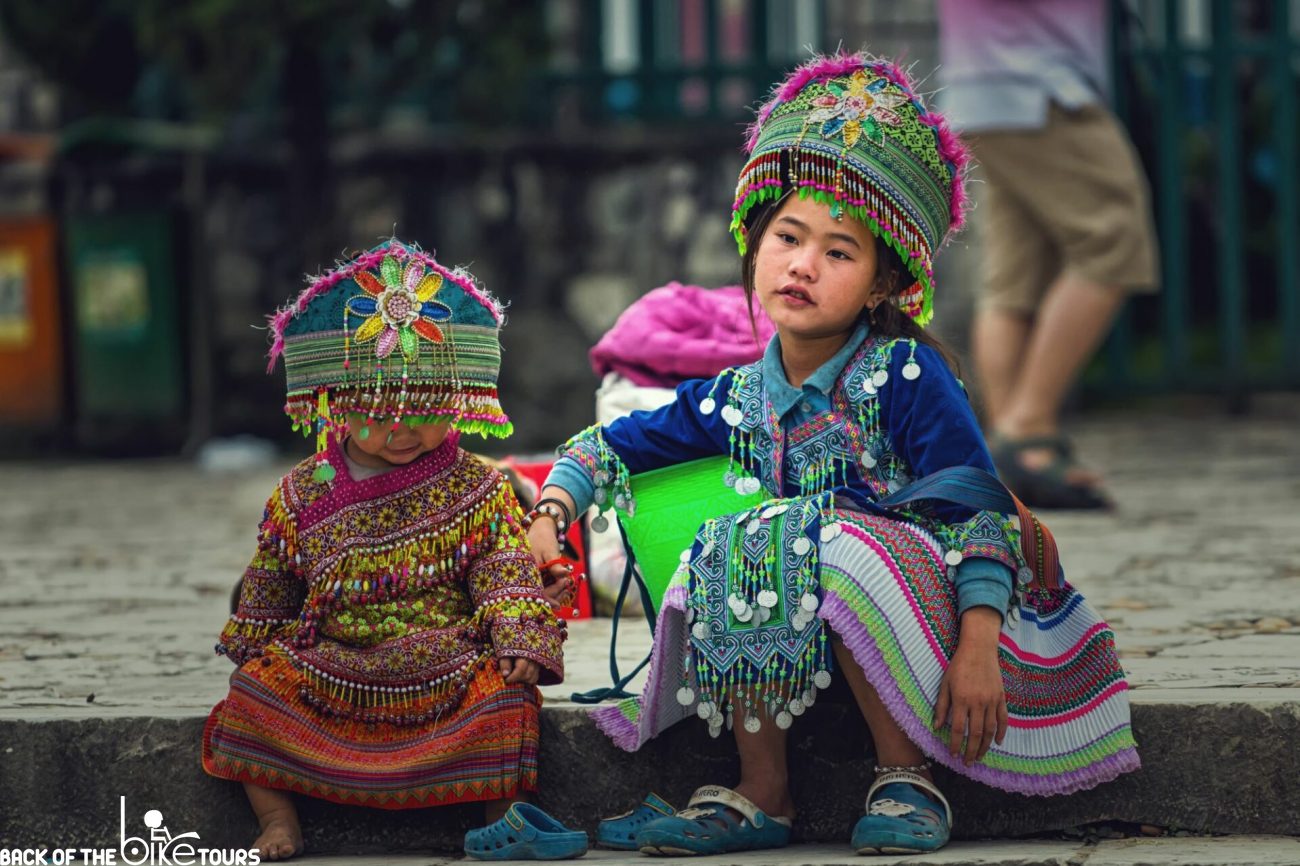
280	839
281	836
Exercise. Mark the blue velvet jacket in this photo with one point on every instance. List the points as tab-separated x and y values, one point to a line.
877	416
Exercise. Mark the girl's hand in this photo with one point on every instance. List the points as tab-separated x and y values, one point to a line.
517	670
971	698
557	581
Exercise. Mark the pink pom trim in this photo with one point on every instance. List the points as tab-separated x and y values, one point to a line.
280	320
951	149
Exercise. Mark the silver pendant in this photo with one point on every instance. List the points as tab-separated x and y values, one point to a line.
600	523
752	526
868	460
767	598
801	545
730	479
745	614
700	630
732	415
704	710
880	378
763	614
953	557
796	707
911	371
784	720
707	405
752	724
685	696
809	602
822	679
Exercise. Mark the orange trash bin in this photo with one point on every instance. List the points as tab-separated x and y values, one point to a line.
31	338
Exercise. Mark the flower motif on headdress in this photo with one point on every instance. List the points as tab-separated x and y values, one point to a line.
400	307
858	108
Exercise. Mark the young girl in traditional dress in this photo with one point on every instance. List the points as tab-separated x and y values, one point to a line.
391	628
884	548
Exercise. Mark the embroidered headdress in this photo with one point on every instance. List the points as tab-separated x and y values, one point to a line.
851	131
391	334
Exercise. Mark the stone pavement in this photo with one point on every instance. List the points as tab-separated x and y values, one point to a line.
117	577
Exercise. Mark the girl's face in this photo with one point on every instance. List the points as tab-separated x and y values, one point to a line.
814	274
381	442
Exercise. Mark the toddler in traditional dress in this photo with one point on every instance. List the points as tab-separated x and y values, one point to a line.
392	627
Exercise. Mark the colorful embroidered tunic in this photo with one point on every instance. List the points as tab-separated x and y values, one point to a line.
368	629
742	620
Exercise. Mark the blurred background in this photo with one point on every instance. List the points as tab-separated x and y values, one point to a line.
170	171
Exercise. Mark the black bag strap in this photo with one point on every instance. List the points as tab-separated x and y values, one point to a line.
619	689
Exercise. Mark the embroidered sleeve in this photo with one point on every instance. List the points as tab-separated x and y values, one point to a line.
686	429
272	590
506	590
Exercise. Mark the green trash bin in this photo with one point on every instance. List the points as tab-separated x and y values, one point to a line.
128	332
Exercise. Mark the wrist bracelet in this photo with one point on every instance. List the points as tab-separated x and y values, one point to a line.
568	515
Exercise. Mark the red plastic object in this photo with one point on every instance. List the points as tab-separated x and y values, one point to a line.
534	475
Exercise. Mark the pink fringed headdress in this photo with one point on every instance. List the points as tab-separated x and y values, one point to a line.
851	131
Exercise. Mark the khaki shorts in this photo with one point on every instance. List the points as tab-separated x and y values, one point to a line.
1068	197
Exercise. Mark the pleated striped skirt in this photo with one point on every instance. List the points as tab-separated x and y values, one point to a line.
885	593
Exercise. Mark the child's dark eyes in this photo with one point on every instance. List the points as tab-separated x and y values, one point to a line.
785	237
841	255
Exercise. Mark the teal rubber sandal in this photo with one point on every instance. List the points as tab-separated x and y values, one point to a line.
706	826
525	832
906	814
619	832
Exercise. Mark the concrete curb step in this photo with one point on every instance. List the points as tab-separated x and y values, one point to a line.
1215	761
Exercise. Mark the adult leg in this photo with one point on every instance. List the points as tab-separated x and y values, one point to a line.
281	834
1074	318
999	337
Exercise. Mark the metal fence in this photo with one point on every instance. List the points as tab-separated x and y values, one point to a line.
1208	89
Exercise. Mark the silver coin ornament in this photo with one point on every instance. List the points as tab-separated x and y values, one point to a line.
831	531
879	378
1024	575
600	523
700	630
707	405
704	710
953	557
767	598
801	545
809	696
911	371
799	622
600	496
808	601
784	720
822	679
752	526
773	510
752	724
732	416
868	460
731	720
730	478
685	696
750	486
868	389
745	613
763	614
796	707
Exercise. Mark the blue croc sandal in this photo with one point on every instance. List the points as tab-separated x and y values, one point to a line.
706	827
620	831
906	814
525	832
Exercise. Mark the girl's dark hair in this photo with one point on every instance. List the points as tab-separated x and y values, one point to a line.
887	320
